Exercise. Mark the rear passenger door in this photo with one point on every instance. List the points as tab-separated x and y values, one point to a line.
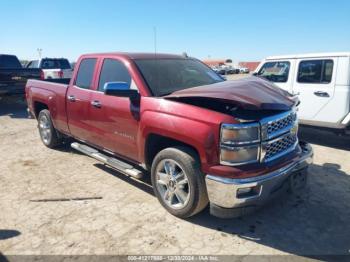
314	84
78	100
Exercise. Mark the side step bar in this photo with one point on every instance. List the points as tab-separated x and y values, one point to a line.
111	161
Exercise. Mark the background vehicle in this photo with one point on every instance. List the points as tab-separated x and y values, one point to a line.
13	77
72	65
219	70
230	69
53	67
225	69
232	143
244	70
322	83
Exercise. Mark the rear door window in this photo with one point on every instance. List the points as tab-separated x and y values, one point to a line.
48	64
275	71
64	64
85	73
113	71
315	71
55	64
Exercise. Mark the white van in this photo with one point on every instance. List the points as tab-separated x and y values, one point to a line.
322	82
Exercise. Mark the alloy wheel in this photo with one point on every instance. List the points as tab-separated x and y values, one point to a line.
172	183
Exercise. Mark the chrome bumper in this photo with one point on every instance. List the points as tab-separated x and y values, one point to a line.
224	193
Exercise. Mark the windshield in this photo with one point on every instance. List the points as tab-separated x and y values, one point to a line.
275	71
165	76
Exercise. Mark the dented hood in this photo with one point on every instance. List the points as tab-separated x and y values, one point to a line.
249	93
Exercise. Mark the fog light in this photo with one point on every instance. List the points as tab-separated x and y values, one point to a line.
248	192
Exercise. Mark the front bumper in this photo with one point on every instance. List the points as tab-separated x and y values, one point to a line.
228	196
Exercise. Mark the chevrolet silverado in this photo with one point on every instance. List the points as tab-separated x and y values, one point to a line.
232	144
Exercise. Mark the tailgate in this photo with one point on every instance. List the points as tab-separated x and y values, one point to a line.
12	81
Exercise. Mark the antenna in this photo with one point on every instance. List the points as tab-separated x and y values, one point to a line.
155	39
155	53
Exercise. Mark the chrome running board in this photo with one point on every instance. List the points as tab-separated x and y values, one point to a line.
111	161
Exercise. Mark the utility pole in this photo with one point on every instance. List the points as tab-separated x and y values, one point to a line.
40	50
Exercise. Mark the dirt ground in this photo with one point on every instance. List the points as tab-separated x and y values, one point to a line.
40	210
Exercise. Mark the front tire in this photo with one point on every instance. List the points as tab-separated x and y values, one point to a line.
178	181
48	134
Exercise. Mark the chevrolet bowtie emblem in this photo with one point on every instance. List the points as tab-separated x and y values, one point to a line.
16	78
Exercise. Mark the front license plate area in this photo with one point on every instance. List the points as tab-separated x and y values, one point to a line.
298	181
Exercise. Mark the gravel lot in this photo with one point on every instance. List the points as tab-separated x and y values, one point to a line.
38	213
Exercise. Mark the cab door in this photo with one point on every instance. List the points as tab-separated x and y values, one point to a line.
114	120
78	100
314	84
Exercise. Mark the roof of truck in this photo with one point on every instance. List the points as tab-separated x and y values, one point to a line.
138	55
309	55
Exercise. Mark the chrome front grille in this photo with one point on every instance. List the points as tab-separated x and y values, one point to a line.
281	124
279	135
275	126
279	146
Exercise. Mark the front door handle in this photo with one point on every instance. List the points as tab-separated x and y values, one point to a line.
96	103
321	94
71	98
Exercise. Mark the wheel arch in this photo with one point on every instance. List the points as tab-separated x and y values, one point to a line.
39	106
155	143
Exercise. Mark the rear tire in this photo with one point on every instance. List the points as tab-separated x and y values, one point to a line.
178	181
48	134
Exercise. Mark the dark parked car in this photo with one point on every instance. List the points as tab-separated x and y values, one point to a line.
13	76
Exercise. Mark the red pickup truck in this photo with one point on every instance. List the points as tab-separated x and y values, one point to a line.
202	139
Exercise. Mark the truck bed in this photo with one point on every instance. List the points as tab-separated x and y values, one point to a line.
52	93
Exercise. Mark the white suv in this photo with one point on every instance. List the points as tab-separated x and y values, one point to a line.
322	82
52	68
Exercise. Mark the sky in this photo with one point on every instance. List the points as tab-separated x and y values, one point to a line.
236	29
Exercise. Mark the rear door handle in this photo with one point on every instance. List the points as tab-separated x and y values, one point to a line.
71	98
321	94
96	104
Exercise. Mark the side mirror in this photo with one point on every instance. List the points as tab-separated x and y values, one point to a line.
121	89
255	74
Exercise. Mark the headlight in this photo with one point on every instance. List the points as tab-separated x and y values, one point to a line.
240	133
239	143
239	155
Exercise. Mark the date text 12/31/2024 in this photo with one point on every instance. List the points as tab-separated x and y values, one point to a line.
173	258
